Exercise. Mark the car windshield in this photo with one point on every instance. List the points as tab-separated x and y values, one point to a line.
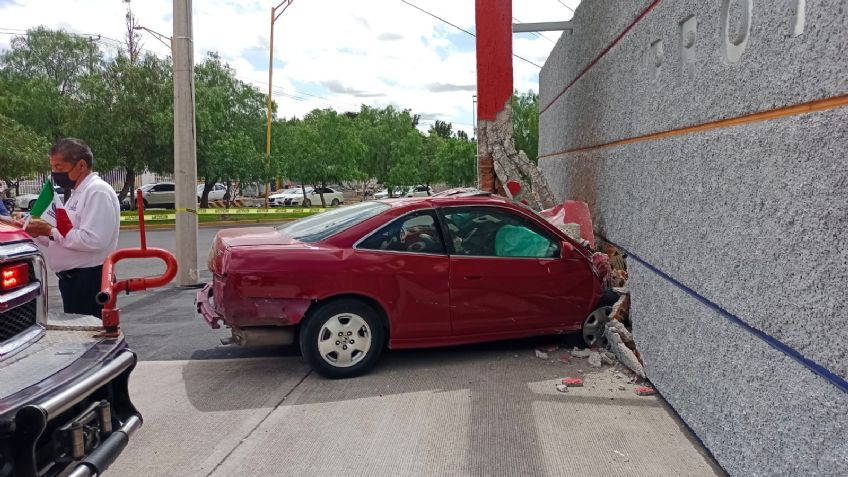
318	227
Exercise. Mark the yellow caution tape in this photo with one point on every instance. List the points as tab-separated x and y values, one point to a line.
240	211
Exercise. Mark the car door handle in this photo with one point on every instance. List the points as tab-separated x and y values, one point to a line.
473	277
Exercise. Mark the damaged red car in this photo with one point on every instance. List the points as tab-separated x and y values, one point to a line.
408	273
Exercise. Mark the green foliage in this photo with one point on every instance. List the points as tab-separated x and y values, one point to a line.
55	84
525	123
22	151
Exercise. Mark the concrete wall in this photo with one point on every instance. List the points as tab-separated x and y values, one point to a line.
736	222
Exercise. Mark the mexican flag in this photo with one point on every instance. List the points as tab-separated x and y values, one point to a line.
49	208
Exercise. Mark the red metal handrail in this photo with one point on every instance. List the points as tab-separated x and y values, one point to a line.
109	287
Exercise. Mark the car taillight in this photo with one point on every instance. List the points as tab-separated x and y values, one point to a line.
14	276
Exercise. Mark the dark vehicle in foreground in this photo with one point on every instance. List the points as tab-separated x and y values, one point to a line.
64	404
407	273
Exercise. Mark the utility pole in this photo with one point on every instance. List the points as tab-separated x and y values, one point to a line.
185	145
274	16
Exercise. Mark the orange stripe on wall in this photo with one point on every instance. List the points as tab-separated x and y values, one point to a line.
803	108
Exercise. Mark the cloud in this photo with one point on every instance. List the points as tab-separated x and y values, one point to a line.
389	37
327	53
446	87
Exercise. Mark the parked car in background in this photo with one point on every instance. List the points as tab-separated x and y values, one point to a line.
396	192
294	197
160	195
217	193
419	191
408	273
27	201
65	407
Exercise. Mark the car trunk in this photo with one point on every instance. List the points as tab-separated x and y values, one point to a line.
243	237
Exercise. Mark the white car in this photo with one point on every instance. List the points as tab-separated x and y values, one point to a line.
396	192
217	193
419	191
26	201
294	197
161	195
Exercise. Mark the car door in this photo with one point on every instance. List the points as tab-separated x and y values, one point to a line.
408	260
507	273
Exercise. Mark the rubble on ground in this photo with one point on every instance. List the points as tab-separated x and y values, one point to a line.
644	391
573	382
595	359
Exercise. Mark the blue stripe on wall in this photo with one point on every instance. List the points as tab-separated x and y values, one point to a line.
772	341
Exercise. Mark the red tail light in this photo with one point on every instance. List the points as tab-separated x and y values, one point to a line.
14	276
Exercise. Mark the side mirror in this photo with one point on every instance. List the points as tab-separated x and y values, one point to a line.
567	249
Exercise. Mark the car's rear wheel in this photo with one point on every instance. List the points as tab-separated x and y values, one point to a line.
146	204
594	326
342	339
335	203
31	205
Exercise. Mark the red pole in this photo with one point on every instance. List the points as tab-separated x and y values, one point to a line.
494	79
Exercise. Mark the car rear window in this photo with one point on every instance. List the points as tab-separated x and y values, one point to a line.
326	224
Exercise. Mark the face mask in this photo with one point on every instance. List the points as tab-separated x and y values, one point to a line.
63	180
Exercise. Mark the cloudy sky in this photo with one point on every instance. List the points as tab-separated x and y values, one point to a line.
328	53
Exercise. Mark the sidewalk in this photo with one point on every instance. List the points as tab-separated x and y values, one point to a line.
484	410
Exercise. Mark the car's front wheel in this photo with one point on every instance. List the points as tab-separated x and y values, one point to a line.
31	205
335	203
594	326
307	203
342	339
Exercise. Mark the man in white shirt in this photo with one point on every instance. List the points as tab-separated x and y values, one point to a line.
77	257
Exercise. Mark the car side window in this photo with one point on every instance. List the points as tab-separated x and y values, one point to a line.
493	232
417	232
166	188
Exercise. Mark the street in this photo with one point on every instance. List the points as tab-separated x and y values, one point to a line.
482	410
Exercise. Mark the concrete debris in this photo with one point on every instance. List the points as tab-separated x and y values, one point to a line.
573	382
644	391
608	358
595	359
622	388
621	309
580	353
618	376
624	354
541	354
548	348
580	371
562	388
623	332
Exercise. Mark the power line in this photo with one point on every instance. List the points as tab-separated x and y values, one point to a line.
566	6
462	29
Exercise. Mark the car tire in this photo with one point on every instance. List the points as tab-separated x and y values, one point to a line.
146	205
350	354
31	205
594	326
307	203
335	203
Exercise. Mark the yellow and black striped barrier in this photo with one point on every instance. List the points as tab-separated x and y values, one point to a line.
169	215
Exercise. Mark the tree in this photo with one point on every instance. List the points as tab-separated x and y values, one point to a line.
457	162
22	151
442	129
230	115
391	139
61	57
136	102
525	123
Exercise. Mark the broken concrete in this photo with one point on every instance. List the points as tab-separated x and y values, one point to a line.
622	352
496	141
580	353
595	359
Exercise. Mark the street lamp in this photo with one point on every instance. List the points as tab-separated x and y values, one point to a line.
274	16
158	36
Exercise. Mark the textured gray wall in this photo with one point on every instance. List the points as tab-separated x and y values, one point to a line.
751	219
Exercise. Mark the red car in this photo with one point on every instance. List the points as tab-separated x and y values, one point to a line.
408	273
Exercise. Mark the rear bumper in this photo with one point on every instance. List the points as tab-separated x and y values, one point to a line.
205	309
38	435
